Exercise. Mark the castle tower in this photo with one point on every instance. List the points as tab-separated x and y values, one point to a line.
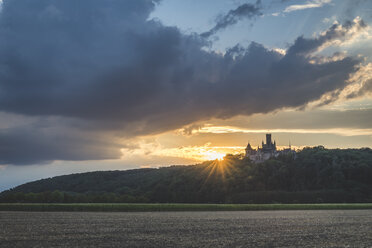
248	150
268	140
249	147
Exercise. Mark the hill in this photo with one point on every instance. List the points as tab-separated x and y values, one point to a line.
315	175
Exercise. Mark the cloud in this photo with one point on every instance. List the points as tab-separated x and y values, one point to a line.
307	5
349	122
30	145
110	74
338	131
365	89
247	10
335	35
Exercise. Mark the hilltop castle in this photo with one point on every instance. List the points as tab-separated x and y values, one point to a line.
267	151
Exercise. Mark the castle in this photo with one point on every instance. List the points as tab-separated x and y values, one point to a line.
267	151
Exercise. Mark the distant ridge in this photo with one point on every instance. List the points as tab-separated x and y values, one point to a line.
316	175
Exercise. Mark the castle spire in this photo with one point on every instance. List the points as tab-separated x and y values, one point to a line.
249	147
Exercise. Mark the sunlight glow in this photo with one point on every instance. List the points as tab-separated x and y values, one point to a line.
220	169
213	155
194	153
197	153
230	129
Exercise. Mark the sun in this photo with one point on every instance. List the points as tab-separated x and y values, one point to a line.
213	155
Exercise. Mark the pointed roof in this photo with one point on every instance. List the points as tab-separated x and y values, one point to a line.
249	147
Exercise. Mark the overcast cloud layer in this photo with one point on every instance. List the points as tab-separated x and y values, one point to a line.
103	66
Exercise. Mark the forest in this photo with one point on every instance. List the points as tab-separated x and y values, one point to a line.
313	175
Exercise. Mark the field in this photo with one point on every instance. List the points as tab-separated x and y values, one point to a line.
119	207
299	228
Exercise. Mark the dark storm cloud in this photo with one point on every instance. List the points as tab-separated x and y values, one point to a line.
35	145
247	10
103	64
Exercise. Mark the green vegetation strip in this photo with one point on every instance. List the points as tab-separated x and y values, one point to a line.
119	207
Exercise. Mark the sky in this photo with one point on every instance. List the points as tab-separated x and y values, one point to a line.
121	84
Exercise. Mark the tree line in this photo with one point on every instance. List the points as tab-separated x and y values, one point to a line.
314	175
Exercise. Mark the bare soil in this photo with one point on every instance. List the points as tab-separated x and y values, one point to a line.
310	228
